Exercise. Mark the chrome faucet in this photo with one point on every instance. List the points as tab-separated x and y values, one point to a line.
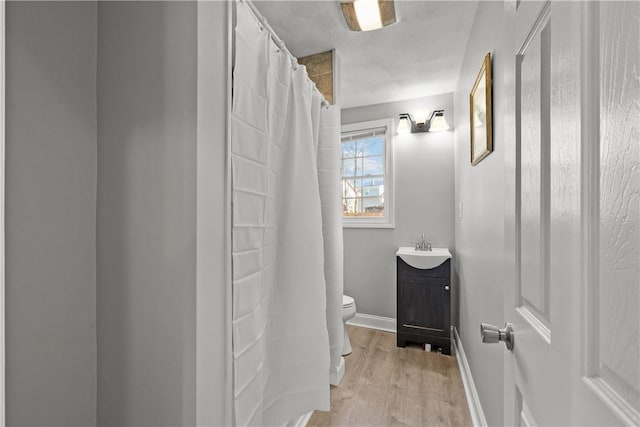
422	245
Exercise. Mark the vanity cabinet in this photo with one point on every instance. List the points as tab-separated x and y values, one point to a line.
424	305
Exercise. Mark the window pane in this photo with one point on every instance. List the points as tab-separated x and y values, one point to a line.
373	165
351	188
351	149
363	207
373	188
352	166
374	146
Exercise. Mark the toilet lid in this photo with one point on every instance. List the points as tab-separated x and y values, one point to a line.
347	300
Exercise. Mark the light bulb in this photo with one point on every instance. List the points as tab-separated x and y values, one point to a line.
438	123
404	127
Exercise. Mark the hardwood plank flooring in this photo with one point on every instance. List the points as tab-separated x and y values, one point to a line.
385	385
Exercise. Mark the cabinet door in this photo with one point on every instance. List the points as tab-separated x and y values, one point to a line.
424	303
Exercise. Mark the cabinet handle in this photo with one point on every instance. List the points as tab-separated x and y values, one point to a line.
446	287
422	327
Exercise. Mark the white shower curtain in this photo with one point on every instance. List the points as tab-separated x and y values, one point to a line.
280	337
329	159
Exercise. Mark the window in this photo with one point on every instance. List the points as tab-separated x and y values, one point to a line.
367	174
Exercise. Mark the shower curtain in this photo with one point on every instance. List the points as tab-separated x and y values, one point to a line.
281	346
329	160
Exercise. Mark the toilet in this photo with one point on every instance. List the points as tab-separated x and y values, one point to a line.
348	311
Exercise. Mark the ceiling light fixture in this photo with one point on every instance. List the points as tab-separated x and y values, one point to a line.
367	15
435	123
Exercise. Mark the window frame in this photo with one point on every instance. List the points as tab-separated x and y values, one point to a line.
388	220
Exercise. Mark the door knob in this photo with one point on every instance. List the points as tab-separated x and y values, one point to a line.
492	334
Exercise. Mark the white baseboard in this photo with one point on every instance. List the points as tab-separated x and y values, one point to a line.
336	374
374	322
473	400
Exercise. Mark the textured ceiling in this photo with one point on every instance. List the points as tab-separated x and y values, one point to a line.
419	56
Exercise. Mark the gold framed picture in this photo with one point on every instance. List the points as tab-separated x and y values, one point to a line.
480	120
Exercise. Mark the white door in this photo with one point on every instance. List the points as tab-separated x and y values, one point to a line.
573	213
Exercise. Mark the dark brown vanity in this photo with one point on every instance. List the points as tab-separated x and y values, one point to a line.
424	305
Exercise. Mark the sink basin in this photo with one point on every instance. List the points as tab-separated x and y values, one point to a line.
423	259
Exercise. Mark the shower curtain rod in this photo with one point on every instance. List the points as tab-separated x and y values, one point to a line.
281	45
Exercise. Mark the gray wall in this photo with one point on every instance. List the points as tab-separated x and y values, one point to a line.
480	232
50	213
146	215
424	171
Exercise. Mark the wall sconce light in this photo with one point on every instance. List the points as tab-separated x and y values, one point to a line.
435	123
367	15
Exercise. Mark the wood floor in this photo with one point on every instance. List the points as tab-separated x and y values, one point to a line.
385	385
